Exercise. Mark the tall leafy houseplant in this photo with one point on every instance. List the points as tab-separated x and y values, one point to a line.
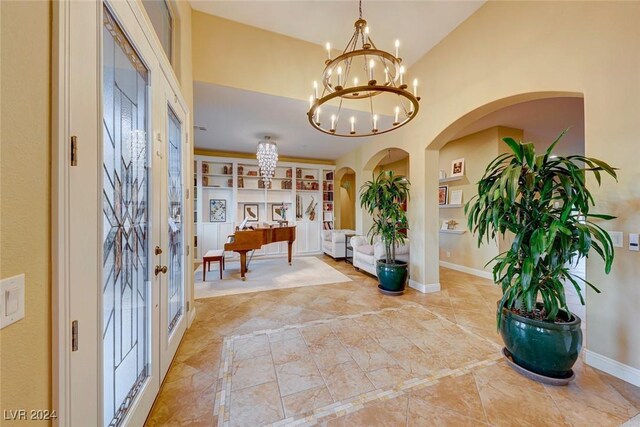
544	202
383	199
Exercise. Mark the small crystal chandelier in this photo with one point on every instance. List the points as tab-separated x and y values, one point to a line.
267	156
354	80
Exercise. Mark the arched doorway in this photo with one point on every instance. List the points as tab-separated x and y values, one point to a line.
538	117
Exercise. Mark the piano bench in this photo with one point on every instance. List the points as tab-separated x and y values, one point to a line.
212	255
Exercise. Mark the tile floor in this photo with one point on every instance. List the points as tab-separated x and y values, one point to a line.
349	356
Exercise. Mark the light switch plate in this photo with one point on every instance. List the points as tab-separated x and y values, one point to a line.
11	300
634	242
617	238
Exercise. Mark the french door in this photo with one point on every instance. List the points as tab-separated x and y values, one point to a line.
122	198
173	296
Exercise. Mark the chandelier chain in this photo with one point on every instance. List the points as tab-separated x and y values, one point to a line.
360	8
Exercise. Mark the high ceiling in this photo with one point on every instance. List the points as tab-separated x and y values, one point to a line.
542	121
237	119
419	25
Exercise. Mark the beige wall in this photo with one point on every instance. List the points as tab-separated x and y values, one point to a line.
245	57
399	167
25	61
509	52
478	150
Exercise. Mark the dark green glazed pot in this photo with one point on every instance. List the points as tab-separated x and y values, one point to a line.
392	277
546	348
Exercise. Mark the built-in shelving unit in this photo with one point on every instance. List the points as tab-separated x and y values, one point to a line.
299	191
327	199
448	205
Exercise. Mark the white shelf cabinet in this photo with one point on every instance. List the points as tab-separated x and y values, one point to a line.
233	180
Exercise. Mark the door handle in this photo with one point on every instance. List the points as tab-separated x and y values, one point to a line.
160	269
158	251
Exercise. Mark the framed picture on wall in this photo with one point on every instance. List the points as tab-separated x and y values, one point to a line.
251	212
457	168
278	212
455	197
443	191
217	210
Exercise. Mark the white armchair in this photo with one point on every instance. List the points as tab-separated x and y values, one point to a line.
365	254
333	242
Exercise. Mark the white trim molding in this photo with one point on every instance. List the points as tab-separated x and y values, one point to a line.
468	270
613	367
192	316
425	289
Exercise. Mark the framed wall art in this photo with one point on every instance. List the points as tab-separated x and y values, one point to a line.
455	197
251	212
217	210
443	191
457	168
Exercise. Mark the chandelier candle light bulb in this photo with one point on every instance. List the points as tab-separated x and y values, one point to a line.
333	123
415	87
328	51
397	48
339	77
375	123
353	125
315	89
366	33
397	116
318	111
402	76
371	65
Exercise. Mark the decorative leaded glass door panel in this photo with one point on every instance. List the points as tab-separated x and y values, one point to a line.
173	305
126	214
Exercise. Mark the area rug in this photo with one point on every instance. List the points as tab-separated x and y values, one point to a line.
264	275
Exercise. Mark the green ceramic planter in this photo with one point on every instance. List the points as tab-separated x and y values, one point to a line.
392	277
546	348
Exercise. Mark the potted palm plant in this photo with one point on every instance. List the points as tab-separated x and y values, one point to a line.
383	199
542	202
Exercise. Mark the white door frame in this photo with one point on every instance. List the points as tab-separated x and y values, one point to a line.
78	27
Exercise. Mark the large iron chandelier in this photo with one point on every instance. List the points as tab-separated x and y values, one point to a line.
267	156
353	80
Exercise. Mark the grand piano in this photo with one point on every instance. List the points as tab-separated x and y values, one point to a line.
243	241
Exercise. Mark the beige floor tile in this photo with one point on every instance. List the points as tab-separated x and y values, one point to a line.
388	413
256	406
287	334
297	376
250	372
389	376
289	350
458	394
306	401
316	333
369	355
502	391
346	380
422	414
248	348
329	352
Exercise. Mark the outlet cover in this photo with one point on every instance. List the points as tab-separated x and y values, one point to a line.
617	238
11	300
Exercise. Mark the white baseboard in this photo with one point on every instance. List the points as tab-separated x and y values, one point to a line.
613	367
468	270
431	287
192	316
